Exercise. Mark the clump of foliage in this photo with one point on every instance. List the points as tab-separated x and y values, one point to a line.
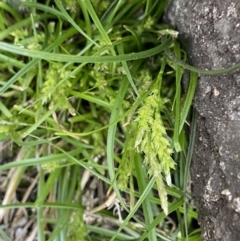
92	114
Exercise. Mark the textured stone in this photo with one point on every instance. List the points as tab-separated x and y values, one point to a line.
210	31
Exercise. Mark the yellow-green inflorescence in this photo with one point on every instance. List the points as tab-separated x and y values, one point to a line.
147	135
152	141
55	93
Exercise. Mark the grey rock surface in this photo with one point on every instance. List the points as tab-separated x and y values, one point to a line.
211	31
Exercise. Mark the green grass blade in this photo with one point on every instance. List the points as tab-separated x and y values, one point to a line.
201	71
177	106
187	167
39	160
189	99
135	208
91	98
81	59
111	12
127	71
45	9
12	11
23	23
46	187
40	121
109	233
31	64
40	210
11	61
112	132
146	204
97	22
172	207
5	111
70	20
4	236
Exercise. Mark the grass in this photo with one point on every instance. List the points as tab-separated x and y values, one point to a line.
94	135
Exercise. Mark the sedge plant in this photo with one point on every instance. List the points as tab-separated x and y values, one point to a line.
93	122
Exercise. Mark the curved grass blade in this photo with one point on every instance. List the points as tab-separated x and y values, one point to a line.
11	48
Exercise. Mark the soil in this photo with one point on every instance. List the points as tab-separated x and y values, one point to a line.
210	30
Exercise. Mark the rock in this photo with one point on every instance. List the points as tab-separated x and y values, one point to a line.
211	29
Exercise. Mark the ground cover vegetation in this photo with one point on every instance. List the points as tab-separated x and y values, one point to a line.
96	135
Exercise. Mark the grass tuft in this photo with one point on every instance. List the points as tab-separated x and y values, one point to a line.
93	129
